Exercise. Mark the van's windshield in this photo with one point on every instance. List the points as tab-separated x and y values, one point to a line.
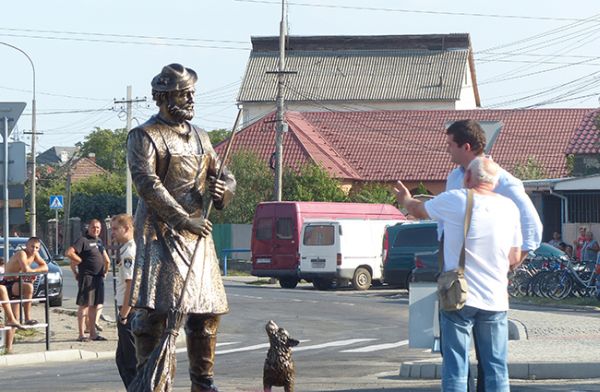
319	235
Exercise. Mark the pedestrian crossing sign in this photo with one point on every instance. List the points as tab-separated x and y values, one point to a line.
56	202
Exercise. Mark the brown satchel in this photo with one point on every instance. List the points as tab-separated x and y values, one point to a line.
452	285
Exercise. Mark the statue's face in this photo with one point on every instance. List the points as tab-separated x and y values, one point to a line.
180	104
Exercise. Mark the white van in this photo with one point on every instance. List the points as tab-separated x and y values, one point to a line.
342	251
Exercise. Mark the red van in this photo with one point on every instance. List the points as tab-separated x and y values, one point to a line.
276	232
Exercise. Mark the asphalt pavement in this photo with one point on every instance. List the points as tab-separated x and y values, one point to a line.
554	343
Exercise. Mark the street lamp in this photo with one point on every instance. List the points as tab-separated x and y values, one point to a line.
33	137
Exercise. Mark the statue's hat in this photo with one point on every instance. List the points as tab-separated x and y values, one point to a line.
174	77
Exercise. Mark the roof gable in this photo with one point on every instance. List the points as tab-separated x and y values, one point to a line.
586	138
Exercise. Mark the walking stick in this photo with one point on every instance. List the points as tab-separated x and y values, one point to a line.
158	372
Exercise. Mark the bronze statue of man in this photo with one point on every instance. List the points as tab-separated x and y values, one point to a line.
173	165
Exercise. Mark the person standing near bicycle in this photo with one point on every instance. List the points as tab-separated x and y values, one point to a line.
578	243
589	249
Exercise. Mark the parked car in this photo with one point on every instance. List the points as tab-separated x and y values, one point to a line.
400	244
426	263
55	277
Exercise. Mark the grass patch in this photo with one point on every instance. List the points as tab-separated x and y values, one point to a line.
23	334
570	301
234	272
259	282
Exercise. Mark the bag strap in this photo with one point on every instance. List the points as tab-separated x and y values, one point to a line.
467	225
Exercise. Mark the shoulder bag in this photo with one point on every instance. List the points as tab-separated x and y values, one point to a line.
452	285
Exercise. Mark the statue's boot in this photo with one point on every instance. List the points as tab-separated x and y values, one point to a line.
201	333
147	328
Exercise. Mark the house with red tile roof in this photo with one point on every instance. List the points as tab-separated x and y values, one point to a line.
83	167
410	145
584	145
364	73
565	204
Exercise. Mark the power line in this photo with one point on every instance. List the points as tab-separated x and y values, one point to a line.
124	35
123	42
412	11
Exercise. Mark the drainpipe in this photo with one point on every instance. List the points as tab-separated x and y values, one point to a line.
565	208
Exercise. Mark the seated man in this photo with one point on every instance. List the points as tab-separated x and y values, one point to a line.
21	262
9	319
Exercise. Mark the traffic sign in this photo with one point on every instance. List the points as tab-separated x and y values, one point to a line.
56	202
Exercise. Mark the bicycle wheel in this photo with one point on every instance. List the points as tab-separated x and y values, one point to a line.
559	285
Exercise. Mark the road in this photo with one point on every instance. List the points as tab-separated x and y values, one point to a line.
349	341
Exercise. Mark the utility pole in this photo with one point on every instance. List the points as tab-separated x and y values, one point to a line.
128	194
282	126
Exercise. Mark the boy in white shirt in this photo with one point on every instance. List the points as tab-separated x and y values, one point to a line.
122	232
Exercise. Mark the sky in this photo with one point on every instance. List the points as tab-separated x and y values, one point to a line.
528	54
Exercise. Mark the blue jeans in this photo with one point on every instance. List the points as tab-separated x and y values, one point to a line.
492	342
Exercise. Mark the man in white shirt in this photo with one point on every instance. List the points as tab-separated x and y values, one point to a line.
466	141
122	232
492	246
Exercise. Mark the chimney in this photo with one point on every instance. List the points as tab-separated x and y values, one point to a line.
92	157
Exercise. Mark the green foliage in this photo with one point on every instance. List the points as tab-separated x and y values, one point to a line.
312	183
109	147
218	135
530	170
110	183
254	185
372	193
422	190
570	163
98	206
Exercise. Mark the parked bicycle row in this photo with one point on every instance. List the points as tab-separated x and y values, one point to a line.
555	277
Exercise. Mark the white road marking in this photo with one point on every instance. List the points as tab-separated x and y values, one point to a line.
184	349
336	343
247	348
376	347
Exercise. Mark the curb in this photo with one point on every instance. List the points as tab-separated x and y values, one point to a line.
517	370
53	356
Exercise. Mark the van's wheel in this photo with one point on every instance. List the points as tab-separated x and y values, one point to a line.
322	283
361	279
288	283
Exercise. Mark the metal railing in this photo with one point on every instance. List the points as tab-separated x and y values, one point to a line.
21	301
225	254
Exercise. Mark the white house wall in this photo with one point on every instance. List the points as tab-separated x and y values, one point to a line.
467	99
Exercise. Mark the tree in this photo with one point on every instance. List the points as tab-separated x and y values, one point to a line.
530	170
218	135
109	147
254	185
372	193
311	183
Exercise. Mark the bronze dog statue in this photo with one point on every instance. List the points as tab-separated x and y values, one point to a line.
279	367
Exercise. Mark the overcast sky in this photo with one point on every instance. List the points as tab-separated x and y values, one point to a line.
530	53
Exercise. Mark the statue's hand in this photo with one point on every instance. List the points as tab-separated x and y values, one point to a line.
216	188
200	226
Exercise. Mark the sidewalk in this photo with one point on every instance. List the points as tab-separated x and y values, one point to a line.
555	343
560	343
